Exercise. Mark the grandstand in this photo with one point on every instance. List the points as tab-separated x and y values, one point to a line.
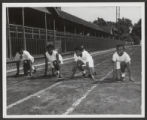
34	28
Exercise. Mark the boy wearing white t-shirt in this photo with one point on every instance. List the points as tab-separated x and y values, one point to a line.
121	61
55	60
83	61
27	59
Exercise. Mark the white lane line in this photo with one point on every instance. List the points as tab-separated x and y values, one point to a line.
35	94
41	91
66	59
77	102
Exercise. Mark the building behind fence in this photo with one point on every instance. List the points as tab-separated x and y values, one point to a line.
34	28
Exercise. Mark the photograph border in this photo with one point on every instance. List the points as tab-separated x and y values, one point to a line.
60	116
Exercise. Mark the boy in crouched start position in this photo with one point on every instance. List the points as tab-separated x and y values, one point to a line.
27	59
83	61
55	60
121	62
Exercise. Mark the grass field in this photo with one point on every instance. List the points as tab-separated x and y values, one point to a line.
41	95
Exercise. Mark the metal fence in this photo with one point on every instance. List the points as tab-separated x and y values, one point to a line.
37	38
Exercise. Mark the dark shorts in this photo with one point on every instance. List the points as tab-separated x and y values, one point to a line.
26	66
80	65
56	65
123	66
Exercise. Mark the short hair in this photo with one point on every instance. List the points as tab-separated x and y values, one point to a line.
50	46
120	45
82	48
79	48
20	49
76	49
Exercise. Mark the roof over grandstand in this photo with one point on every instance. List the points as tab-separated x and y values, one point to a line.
75	19
42	9
72	18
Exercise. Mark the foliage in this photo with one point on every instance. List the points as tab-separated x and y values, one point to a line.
136	32
123	29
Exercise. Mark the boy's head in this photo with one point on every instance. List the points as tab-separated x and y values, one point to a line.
50	48
78	51
82	48
20	51
120	49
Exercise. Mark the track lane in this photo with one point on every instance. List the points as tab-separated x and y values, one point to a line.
21	87
50	105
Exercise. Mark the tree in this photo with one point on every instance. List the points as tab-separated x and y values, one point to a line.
136	32
100	22
121	29
123	25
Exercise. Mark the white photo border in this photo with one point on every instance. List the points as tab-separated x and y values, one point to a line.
79	4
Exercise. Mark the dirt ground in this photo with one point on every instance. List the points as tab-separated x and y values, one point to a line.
41	95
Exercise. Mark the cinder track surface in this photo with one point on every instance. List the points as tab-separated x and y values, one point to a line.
41	95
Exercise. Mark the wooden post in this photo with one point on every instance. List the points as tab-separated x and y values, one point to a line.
83	37
8	34
54	29
45	30
65	38
75	31
95	34
24	37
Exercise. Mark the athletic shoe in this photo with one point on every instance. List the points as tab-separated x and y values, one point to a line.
60	77
131	80
118	80
123	75
16	74
122	79
54	74
35	70
92	77
71	77
83	74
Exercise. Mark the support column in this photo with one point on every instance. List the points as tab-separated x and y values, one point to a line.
46	30
83	37
75	30
95	34
54	29
65	38
9	44
23	23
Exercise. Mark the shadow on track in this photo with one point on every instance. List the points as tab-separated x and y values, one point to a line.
107	80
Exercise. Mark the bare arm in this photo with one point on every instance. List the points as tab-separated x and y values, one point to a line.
74	69
57	57
114	69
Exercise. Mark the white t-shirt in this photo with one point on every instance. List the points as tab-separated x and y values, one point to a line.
86	57
52	57
25	56
124	58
